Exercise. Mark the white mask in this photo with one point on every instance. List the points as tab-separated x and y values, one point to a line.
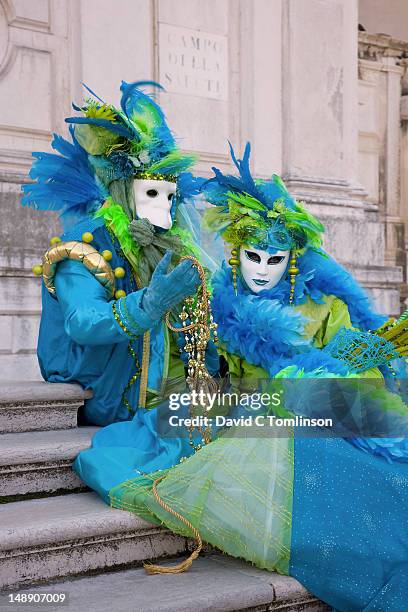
153	201
260	269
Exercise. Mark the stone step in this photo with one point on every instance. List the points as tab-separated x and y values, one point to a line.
41	539
40	461
39	406
214	583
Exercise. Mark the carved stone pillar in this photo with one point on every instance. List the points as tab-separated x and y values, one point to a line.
320	138
404	177
382	139
320	128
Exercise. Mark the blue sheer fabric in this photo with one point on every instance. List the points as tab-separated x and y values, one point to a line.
123	451
349	527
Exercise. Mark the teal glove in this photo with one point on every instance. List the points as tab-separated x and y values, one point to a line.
167	290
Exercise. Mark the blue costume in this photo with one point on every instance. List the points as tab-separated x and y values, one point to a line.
112	276
319	509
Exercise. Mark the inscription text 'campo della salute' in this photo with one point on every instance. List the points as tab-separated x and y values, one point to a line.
193	62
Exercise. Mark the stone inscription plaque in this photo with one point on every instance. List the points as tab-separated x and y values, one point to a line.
193	62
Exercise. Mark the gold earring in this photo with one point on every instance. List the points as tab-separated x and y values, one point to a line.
293	271
234	263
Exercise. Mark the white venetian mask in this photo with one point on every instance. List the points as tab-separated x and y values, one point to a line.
260	269
153	201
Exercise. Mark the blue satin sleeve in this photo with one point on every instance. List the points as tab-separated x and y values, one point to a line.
88	315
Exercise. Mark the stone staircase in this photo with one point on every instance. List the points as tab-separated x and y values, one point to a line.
56	533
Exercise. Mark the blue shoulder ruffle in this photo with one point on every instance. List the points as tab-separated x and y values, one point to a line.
65	182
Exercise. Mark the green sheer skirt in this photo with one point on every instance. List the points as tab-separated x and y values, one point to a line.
236	491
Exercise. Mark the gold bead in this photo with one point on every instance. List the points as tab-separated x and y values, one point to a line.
233	262
119	272
55	240
292	280
234	252
87	237
107	255
37	270
120	294
293	270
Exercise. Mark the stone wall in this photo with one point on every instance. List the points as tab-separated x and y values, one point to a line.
282	74
383	147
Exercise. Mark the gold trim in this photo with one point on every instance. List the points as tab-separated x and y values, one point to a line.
156	176
145	369
82	252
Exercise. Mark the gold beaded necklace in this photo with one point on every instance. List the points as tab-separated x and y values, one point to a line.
197	334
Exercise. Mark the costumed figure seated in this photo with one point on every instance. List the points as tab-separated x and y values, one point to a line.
112	276
328	511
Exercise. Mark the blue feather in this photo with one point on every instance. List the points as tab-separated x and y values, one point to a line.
272	191
266	192
92	93
189	185
264	331
131	93
155	134
244	183
320	275
64	182
278	327
331	278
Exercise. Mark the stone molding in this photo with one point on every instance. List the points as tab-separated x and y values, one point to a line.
374	47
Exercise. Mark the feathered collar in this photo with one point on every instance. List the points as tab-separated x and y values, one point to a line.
255	327
266	331
320	275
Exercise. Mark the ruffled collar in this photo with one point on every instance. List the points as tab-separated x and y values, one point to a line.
320	275
258	328
265	330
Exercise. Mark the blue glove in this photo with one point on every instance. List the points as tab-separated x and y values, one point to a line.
167	290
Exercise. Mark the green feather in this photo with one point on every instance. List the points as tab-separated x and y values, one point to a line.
173	163
246	200
117	220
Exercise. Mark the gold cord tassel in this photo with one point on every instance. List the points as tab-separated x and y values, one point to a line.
151	568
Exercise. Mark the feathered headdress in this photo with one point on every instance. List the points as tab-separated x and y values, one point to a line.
108	144
258	212
133	139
